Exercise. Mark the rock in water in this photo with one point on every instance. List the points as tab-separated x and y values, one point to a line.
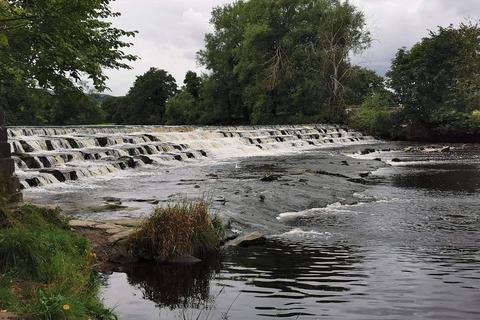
269	178
252	239
367	151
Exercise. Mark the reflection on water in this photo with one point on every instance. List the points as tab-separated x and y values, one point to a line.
309	280
408	249
440	177
174	286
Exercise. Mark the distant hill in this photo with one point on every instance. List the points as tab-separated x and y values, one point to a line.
100	97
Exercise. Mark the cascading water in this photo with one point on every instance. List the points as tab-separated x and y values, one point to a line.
57	154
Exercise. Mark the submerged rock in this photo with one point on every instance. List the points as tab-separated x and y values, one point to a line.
367	151
220	199
252	239
269	178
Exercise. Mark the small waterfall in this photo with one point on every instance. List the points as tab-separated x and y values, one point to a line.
46	155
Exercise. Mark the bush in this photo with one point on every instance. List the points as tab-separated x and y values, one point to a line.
180	109
46	271
178	230
374	117
451	122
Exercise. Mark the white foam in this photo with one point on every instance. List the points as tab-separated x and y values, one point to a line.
172	146
297	232
334	208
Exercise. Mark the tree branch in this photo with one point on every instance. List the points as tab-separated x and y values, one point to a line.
17	18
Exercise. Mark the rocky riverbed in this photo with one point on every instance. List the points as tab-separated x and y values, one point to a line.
351	231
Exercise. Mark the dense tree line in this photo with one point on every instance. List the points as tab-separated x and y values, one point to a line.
268	62
435	87
273	61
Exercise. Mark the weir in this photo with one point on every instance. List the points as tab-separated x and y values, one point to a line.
9	183
48	155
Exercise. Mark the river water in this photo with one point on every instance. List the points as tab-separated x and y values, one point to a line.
402	242
408	249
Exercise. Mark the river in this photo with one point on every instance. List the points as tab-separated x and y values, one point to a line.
386	234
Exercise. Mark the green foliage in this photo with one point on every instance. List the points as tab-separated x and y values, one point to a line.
145	101
449	122
51	42
46	270
180	109
46	48
277	60
65	106
439	72
360	83
374	116
192	84
178	230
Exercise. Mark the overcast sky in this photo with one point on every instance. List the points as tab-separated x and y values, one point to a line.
172	31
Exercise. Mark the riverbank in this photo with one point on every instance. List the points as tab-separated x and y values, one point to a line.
46	271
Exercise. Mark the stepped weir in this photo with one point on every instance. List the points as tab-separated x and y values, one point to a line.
49	155
9	183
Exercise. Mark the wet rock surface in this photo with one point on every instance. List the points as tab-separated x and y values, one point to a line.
251	239
108	238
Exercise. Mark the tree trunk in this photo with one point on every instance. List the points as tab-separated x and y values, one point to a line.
9	184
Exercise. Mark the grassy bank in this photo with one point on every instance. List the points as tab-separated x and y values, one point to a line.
46	271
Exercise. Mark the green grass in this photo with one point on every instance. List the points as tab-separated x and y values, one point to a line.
46	271
178	230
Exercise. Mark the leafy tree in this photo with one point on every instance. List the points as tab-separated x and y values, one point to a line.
441	73
146	99
375	115
281	60
115	109
53	44
361	83
180	109
53	41
192	84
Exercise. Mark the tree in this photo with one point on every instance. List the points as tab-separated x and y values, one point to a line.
440	74
282	60
361	83
375	115
180	109
192	84
146	99
51	42
54	44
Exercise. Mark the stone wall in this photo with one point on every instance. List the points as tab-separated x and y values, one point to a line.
9	185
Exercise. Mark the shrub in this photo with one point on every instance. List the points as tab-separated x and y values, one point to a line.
476	115
448	122
180	109
374	116
178	230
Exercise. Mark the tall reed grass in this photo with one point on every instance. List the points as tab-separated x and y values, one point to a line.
178	230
